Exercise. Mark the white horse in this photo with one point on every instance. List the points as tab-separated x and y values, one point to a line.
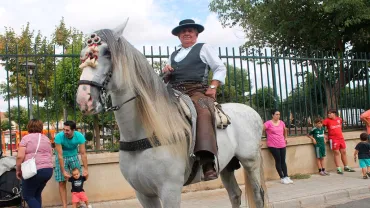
145	107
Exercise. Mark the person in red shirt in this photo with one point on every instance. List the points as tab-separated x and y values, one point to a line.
365	117
337	143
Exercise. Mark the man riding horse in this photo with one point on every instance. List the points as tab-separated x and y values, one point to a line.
187	71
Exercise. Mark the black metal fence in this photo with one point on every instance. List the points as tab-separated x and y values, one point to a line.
42	84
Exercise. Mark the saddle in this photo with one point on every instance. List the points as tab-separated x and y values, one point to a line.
222	120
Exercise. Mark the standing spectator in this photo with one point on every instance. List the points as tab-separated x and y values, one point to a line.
362	150
276	135
317	134
365	117
32	187
66	145
337	143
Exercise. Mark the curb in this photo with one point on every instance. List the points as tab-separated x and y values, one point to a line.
321	199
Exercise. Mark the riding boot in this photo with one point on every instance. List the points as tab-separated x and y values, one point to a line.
208	165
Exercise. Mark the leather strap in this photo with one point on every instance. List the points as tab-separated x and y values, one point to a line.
92	83
138	145
194	171
38	144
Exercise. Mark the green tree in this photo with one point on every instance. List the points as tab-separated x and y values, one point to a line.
5	125
307	27
263	101
264	98
354	96
66	75
89	136
19	115
236	85
25	43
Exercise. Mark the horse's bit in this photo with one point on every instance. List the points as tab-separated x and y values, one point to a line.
91	59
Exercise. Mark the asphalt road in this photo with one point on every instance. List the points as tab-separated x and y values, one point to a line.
362	203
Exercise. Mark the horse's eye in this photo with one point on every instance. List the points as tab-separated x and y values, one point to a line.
106	53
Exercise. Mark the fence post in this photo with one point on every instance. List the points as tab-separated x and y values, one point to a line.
274	82
368	88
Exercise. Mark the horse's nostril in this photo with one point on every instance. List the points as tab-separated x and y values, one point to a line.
90	98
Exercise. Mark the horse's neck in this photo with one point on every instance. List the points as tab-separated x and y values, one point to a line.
130	126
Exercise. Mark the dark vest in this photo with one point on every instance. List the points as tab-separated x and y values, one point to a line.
191	68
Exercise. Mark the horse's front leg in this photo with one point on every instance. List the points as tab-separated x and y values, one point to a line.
148	202
170	195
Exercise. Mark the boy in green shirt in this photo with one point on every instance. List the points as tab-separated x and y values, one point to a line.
317	134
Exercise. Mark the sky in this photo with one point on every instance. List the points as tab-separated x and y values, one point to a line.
150	21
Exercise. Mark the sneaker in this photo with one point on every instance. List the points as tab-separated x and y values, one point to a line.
284	181
348	169
288	180
326	173
322	173
339	171
89	206
364	177
368	174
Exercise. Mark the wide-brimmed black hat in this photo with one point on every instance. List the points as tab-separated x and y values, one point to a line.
186	24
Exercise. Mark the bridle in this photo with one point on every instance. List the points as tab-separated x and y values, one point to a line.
91	59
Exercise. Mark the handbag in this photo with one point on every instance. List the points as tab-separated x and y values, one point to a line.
29	167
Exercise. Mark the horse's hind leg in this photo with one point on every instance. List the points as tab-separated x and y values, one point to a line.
148	202
232	187
253	168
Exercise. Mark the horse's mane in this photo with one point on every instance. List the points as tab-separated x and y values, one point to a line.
157	108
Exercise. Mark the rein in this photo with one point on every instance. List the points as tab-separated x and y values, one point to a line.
90	59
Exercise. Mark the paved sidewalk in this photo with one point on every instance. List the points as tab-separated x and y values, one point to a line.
318	191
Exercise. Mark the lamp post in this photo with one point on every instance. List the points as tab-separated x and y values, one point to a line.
29	66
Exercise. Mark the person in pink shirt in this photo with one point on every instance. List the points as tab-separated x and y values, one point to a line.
32	187
365	117
276	136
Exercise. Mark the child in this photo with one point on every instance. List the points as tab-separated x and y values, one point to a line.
337	142
78	193
317	134
363	152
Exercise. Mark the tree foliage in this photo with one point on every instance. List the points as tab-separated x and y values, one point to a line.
327	29
236	84
299	25
5	125
29	44
19	115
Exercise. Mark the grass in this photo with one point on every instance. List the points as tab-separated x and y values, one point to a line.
300	176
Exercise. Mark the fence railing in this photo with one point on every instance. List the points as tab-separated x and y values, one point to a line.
42	84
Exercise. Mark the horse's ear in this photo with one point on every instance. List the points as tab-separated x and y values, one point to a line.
118	31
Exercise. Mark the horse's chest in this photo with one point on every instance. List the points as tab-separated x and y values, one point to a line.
142	173
150	170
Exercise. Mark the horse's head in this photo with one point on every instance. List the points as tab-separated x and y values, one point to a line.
97	70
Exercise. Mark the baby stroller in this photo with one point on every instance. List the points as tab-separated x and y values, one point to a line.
10	186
